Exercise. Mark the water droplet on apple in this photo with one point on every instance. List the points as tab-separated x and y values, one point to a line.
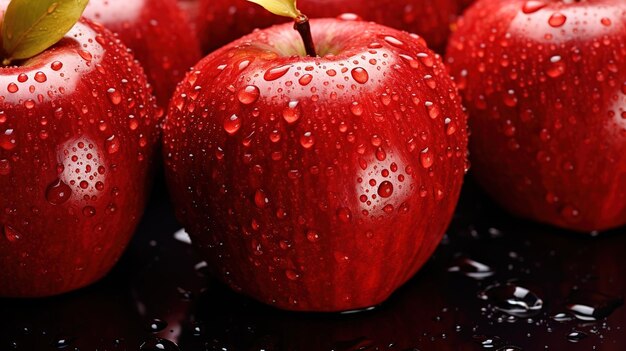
112	144
426	158
291	275
533	6
232	124
394	41
12	88
305	79
11	234
7	140
557	67
360	75
385	189
344	214
58	192
249	94
592	306
114	96
89	211
40	77
557	19
307	140
56	65
291	113
260	200
276	72
312	236
356	109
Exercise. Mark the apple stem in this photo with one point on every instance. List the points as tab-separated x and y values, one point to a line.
302	25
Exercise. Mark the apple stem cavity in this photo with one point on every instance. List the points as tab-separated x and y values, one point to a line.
287	8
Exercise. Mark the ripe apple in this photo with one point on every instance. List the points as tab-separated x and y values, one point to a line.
317	183
221	21
545	86
78	130
159	35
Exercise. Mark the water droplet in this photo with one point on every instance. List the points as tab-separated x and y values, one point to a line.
576	336
276	72
291	113
312	236
513	299
7	140
557	67
592	306
157	344
112	144
307	140
470	268
156	325
356	109
40	77
291	275
360	75
426	158
385	189
344	214
533	6
249	95
58	192
11	234
12	88
394	41
557	19
56	65
89	211
260	200
305	79
232	124
114	96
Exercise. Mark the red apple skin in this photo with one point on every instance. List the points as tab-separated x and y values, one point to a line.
336	219
546	92
221	21
78	132
158	33
191	9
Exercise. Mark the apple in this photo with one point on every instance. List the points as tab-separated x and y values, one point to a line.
545	86
190	9
221	21
316	183
78	132
158	33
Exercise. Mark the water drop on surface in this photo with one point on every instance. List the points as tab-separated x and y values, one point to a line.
385	189
470	268
533	6
276	72
307	140
592	306
426	158
360	75
576	336
249	94
112	144
291	113
114	96
232	124
513	299
156	325
557	19
11	234
7	140
157	344
58	192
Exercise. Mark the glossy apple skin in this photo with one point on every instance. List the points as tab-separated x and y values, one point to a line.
158	33
547	106
78	130
222	21
191	9
331	187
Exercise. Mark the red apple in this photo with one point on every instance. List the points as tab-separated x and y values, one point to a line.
317	184
78	130
221	21
190	9
159	35
545	85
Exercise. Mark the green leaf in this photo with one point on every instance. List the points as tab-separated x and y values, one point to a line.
32	26
285	8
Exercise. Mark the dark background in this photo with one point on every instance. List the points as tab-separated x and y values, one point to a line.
158	290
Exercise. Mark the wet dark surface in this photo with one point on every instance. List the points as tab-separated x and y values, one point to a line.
495	283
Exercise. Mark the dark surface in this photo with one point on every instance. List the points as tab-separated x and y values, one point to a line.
436	310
